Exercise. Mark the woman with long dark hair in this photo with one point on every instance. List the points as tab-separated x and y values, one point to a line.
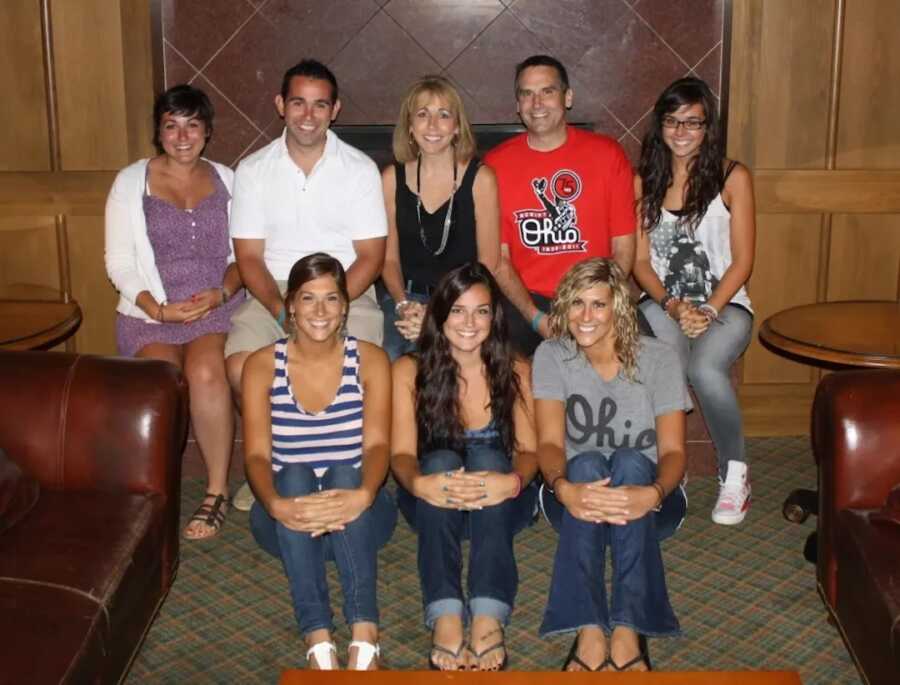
441	204
169	255
462	451
316	410
694	255
610	417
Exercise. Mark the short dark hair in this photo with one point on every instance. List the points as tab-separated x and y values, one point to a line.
543	61
310	68
311	267
183	100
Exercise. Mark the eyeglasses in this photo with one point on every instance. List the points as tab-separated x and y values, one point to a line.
669	121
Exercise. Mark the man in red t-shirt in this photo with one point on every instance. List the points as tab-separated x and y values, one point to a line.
565	195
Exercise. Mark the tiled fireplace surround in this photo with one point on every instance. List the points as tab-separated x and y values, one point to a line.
620	55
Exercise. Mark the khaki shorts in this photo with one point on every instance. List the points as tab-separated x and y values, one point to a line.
253	327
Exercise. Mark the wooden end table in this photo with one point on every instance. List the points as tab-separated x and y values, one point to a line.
833	335
37	325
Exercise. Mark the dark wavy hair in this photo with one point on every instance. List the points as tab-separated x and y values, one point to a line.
437	376
655	168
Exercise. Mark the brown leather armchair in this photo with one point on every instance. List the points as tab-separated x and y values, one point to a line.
83	573
856	441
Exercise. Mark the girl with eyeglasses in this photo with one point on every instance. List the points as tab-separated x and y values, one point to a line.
695	252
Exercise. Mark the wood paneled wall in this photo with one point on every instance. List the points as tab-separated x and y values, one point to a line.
813	108
813	111
83	80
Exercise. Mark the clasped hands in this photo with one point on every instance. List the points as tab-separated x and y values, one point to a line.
410	318
693	322
321	512
199	306
466	490
598	502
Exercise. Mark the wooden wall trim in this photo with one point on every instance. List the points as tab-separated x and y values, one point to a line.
778	191
800	191
74	193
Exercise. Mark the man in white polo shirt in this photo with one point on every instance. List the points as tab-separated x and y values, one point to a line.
305	192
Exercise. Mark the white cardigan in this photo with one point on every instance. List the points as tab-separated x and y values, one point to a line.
130	262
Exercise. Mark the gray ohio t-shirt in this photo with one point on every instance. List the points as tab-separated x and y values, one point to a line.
603	415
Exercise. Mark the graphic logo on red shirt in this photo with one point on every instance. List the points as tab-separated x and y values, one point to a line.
553	228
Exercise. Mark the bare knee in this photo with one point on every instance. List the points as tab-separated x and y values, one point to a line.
206	374
234	368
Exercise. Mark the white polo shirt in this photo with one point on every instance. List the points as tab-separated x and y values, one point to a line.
339	202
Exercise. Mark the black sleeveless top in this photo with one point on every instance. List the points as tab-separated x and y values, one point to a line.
418	263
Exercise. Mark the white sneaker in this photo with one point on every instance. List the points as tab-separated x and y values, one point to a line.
243	499
734	495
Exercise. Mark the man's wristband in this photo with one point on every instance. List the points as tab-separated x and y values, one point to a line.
536	321
659	491
665	301
552	483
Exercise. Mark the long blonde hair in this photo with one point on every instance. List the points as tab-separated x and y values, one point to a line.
586	275
405	148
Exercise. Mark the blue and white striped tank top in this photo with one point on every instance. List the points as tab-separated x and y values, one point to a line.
331	436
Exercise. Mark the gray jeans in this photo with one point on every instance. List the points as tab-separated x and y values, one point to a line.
707	361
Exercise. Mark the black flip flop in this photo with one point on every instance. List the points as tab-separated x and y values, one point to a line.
573	657
643	655
437	648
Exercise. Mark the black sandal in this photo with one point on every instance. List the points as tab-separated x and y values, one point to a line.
501	644
432	664
210	514
573	657
643	655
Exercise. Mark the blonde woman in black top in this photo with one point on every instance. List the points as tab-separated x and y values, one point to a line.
441	205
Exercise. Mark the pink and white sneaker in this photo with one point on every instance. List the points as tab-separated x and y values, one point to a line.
734	495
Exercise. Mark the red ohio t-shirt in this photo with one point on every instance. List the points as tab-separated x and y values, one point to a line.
560	207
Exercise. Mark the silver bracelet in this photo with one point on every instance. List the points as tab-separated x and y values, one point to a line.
709	311
400	305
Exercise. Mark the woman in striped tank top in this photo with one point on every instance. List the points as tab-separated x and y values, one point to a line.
463	452
316	410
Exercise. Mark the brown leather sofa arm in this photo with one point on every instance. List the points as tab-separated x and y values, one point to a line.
79	422
856	442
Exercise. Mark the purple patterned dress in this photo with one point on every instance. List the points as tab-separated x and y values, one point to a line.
191	251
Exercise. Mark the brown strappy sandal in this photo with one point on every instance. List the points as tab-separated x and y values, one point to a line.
212	515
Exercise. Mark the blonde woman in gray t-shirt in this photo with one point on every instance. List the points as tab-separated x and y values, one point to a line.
610	410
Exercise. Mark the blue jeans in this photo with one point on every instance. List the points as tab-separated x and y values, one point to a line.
394	343
493	578
707	360
353	549
578	590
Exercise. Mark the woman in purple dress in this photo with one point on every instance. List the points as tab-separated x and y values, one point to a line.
169	255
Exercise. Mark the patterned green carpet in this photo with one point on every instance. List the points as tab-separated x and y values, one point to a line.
745	597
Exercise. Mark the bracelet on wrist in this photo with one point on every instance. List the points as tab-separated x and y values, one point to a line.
160	315
553	481
400	305
661	492
666	301
536	321
226	294
708	311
